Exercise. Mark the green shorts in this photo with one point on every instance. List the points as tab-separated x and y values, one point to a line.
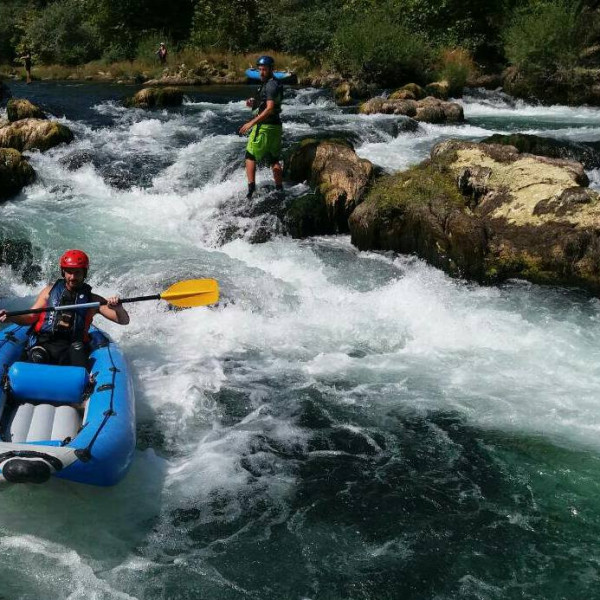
264	143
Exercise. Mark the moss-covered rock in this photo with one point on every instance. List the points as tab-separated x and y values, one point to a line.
338	176
488	212
438	89
410	91
587	153
18	108
155	97
428	110
350	92
576	86
307	216
34	134
15	173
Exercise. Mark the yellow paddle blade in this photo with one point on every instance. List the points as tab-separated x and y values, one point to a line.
192	292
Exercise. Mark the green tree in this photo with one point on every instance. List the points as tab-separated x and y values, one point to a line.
380	50
303	27
225	25
542	36
61	34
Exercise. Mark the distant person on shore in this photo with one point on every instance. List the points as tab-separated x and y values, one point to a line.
265	126
26	58
162	53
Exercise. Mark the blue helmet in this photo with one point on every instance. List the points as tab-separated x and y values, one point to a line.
267	61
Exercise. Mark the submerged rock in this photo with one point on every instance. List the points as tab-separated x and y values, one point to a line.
18	254
15	173
488	212
18	108
34	134
428	110
155	97
339	177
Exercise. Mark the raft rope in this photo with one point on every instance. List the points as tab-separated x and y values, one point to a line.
85	454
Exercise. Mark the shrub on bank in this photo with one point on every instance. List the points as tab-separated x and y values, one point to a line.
455	66
379	50
60	34
542	37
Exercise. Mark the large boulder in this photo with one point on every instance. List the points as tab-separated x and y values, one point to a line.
18	108
15	173
573	86
488	212
34	134
428	110
155	97
338	176
438	89
350	92
587	153
410	91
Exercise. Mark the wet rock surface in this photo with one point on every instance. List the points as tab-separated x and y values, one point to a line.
488	212
34	134
15	173
18	108
339	179
155	97
19	255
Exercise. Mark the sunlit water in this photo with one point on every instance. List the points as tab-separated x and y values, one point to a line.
343	425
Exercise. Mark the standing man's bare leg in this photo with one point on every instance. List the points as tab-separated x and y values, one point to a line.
251	175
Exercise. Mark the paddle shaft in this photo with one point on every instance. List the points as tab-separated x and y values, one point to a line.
33	311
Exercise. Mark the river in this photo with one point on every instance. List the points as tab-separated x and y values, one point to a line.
343	425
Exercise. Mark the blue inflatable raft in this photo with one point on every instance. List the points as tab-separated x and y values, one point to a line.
65	421
283	76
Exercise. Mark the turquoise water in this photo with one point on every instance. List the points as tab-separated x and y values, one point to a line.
343	425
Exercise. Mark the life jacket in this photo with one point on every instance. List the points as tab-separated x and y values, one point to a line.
259	102
73	324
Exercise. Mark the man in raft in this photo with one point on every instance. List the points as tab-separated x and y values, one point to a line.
265	126
62	337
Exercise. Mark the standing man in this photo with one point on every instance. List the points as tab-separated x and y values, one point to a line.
162	53
26	58
265	126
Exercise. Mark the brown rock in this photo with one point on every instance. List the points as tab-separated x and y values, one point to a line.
410	91
18	109
429	110
155	97
339	176
438	89
34	134
15	173
488	212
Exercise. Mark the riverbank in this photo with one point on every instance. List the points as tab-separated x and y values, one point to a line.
187	67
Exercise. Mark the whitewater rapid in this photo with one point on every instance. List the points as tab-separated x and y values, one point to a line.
309	336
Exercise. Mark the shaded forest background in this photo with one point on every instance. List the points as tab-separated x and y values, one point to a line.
380	41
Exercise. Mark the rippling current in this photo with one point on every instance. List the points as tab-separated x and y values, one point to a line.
344	424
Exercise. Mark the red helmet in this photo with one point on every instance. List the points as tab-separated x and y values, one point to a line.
74	259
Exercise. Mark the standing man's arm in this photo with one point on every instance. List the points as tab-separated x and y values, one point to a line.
259	118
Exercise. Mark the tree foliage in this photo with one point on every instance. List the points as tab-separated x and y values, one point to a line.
543	36
384	41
